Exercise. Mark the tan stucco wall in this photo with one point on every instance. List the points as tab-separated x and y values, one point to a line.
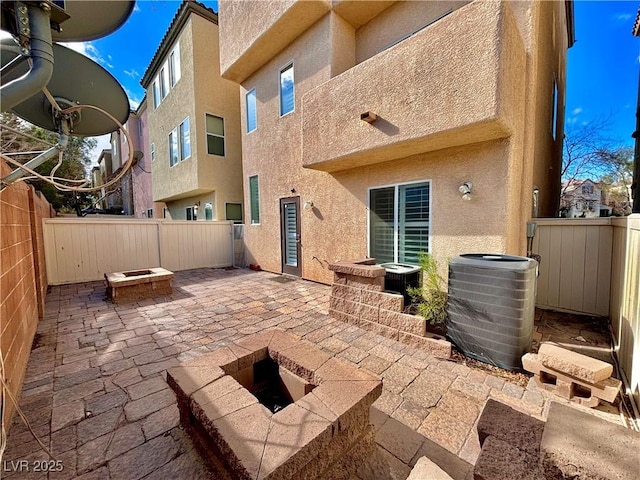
430	92
403	18
200	90
500	165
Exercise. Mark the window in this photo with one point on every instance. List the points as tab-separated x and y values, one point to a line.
173	147
208	211
287	90
233	212
140	127
254	200
399	221
156	94
554	106
215	135
174	66
252	115
149	212
164	82
587	189
166	213
192	213
153	152
185	139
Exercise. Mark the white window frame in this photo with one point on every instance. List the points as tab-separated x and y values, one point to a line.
554	107
174	66
164	81
174	133
194	213
251	222
280	72
152	148
155	90
396	205
241	211
223	136
149	212
255	109
181	154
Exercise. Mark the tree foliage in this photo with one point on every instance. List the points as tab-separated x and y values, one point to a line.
75	159
590	153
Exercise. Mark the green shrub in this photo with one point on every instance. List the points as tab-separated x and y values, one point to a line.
430	299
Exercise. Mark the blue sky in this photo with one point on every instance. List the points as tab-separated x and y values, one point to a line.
602	70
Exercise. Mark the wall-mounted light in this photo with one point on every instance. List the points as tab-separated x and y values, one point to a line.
308	204
368	117
465	190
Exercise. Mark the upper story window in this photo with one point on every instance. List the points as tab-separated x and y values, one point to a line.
287	90
167	77
192	213
399	222
173	147
153	152
215	135
174	66
252	114
587	189
185	139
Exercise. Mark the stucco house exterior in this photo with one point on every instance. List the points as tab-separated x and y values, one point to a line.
583	199
194	122
365	123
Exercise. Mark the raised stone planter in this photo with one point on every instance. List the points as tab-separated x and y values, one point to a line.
123	287
358	297
318	426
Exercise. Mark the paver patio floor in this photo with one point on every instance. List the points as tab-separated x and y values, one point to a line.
95	389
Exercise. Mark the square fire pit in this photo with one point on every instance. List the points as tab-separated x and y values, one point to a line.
123	287
273	406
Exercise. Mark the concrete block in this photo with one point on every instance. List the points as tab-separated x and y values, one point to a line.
388	301
344	291
365	283
186	380
437	346
576	444
499	460
380	329
570	387
359	270
344	317
582	367
504	423
426	469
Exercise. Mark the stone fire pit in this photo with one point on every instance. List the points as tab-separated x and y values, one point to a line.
123	287
272	406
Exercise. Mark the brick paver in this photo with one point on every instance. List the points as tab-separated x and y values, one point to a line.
95	388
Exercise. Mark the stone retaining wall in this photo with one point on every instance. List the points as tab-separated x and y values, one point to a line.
358	297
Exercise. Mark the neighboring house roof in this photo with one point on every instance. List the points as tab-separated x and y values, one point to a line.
104	154
572	185
636	25
186	8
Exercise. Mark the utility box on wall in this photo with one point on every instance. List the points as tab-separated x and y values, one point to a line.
492	307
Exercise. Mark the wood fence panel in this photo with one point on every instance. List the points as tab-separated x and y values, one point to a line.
186	245
575	269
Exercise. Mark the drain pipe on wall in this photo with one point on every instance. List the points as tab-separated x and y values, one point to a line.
33	23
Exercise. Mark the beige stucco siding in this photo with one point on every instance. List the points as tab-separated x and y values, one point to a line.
177	181
465	99
399	20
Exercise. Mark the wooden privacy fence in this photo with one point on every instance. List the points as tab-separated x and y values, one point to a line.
592	266
84	249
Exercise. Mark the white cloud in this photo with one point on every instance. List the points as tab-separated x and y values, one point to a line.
89	50
576	111
623	16
134	100
133	73
136	8
572	120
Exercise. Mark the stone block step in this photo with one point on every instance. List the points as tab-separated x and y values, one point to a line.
582	367
576	444
569	387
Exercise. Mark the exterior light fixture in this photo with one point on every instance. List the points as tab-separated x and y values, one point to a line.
465	190
368	117
308	204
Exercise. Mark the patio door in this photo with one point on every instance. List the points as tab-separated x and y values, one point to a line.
290	235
